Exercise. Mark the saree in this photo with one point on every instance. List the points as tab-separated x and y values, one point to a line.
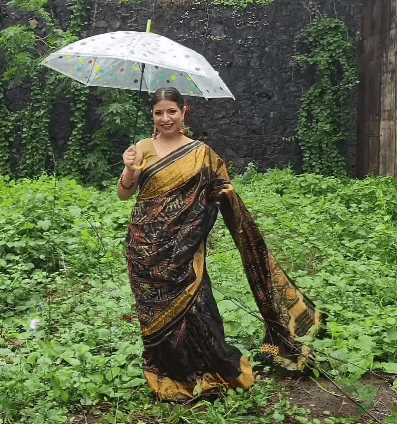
184	341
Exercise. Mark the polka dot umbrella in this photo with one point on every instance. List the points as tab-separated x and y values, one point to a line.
138	61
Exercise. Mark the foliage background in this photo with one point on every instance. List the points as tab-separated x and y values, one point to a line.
26	149
326	114
252	48
62	249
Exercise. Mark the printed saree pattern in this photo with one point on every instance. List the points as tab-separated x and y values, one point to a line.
184	341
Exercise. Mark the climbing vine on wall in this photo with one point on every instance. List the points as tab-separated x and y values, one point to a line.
241	4
37	6
118	113
326	115
25	147
74	160
9	123
17	46
37	150
79	17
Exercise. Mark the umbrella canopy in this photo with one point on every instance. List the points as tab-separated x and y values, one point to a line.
131	60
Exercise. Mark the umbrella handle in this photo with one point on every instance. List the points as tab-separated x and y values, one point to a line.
137	167
140	90
149	26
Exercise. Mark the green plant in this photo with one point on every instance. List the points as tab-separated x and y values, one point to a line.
79	16
326	114
241	4
58	362
251	171
346	232
131	2
37	6
28	126
88	158
75	157
120	110
9	123
17	44
29	5
36	119
62	267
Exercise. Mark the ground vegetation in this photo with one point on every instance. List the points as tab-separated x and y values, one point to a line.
70	344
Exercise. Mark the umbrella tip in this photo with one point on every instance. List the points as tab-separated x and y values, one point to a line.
149	26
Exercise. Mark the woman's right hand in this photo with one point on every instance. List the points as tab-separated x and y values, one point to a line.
133	158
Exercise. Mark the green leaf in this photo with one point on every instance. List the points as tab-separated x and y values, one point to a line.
70	360
86	400
45	225
96	377
64	395
81	348
197	391
392	334
389	367
227	305
56	415
135	382
112	373
278	417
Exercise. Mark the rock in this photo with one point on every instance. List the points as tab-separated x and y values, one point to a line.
115	23
101	24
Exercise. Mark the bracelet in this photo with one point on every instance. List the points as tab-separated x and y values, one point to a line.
126	187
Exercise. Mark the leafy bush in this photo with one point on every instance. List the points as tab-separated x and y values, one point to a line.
326	115
69	333
27	130
338	239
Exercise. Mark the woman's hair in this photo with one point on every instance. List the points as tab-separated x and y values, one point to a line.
169	93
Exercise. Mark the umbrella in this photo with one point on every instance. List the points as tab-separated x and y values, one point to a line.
138	60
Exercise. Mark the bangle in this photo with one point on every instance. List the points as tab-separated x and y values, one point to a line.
126	187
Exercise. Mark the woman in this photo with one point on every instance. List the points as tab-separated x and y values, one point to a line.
183	184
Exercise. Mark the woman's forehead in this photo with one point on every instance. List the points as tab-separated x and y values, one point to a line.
165	105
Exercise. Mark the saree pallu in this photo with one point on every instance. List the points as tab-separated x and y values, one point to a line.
184	341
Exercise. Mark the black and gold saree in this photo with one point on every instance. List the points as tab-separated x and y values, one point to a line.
184	343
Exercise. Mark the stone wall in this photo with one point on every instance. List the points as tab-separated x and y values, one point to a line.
252	50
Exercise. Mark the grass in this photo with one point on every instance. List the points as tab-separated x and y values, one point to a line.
62	250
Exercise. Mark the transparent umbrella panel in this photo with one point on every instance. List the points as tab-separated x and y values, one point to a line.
116	60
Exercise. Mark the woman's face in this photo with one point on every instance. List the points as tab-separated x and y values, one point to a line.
168	117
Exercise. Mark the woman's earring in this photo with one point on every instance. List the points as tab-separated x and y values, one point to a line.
182	128
156	132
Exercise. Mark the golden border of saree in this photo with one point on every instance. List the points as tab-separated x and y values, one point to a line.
298	312
166	388
177	168
176	308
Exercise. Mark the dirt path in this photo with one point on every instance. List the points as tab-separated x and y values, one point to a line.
319	395
326	401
